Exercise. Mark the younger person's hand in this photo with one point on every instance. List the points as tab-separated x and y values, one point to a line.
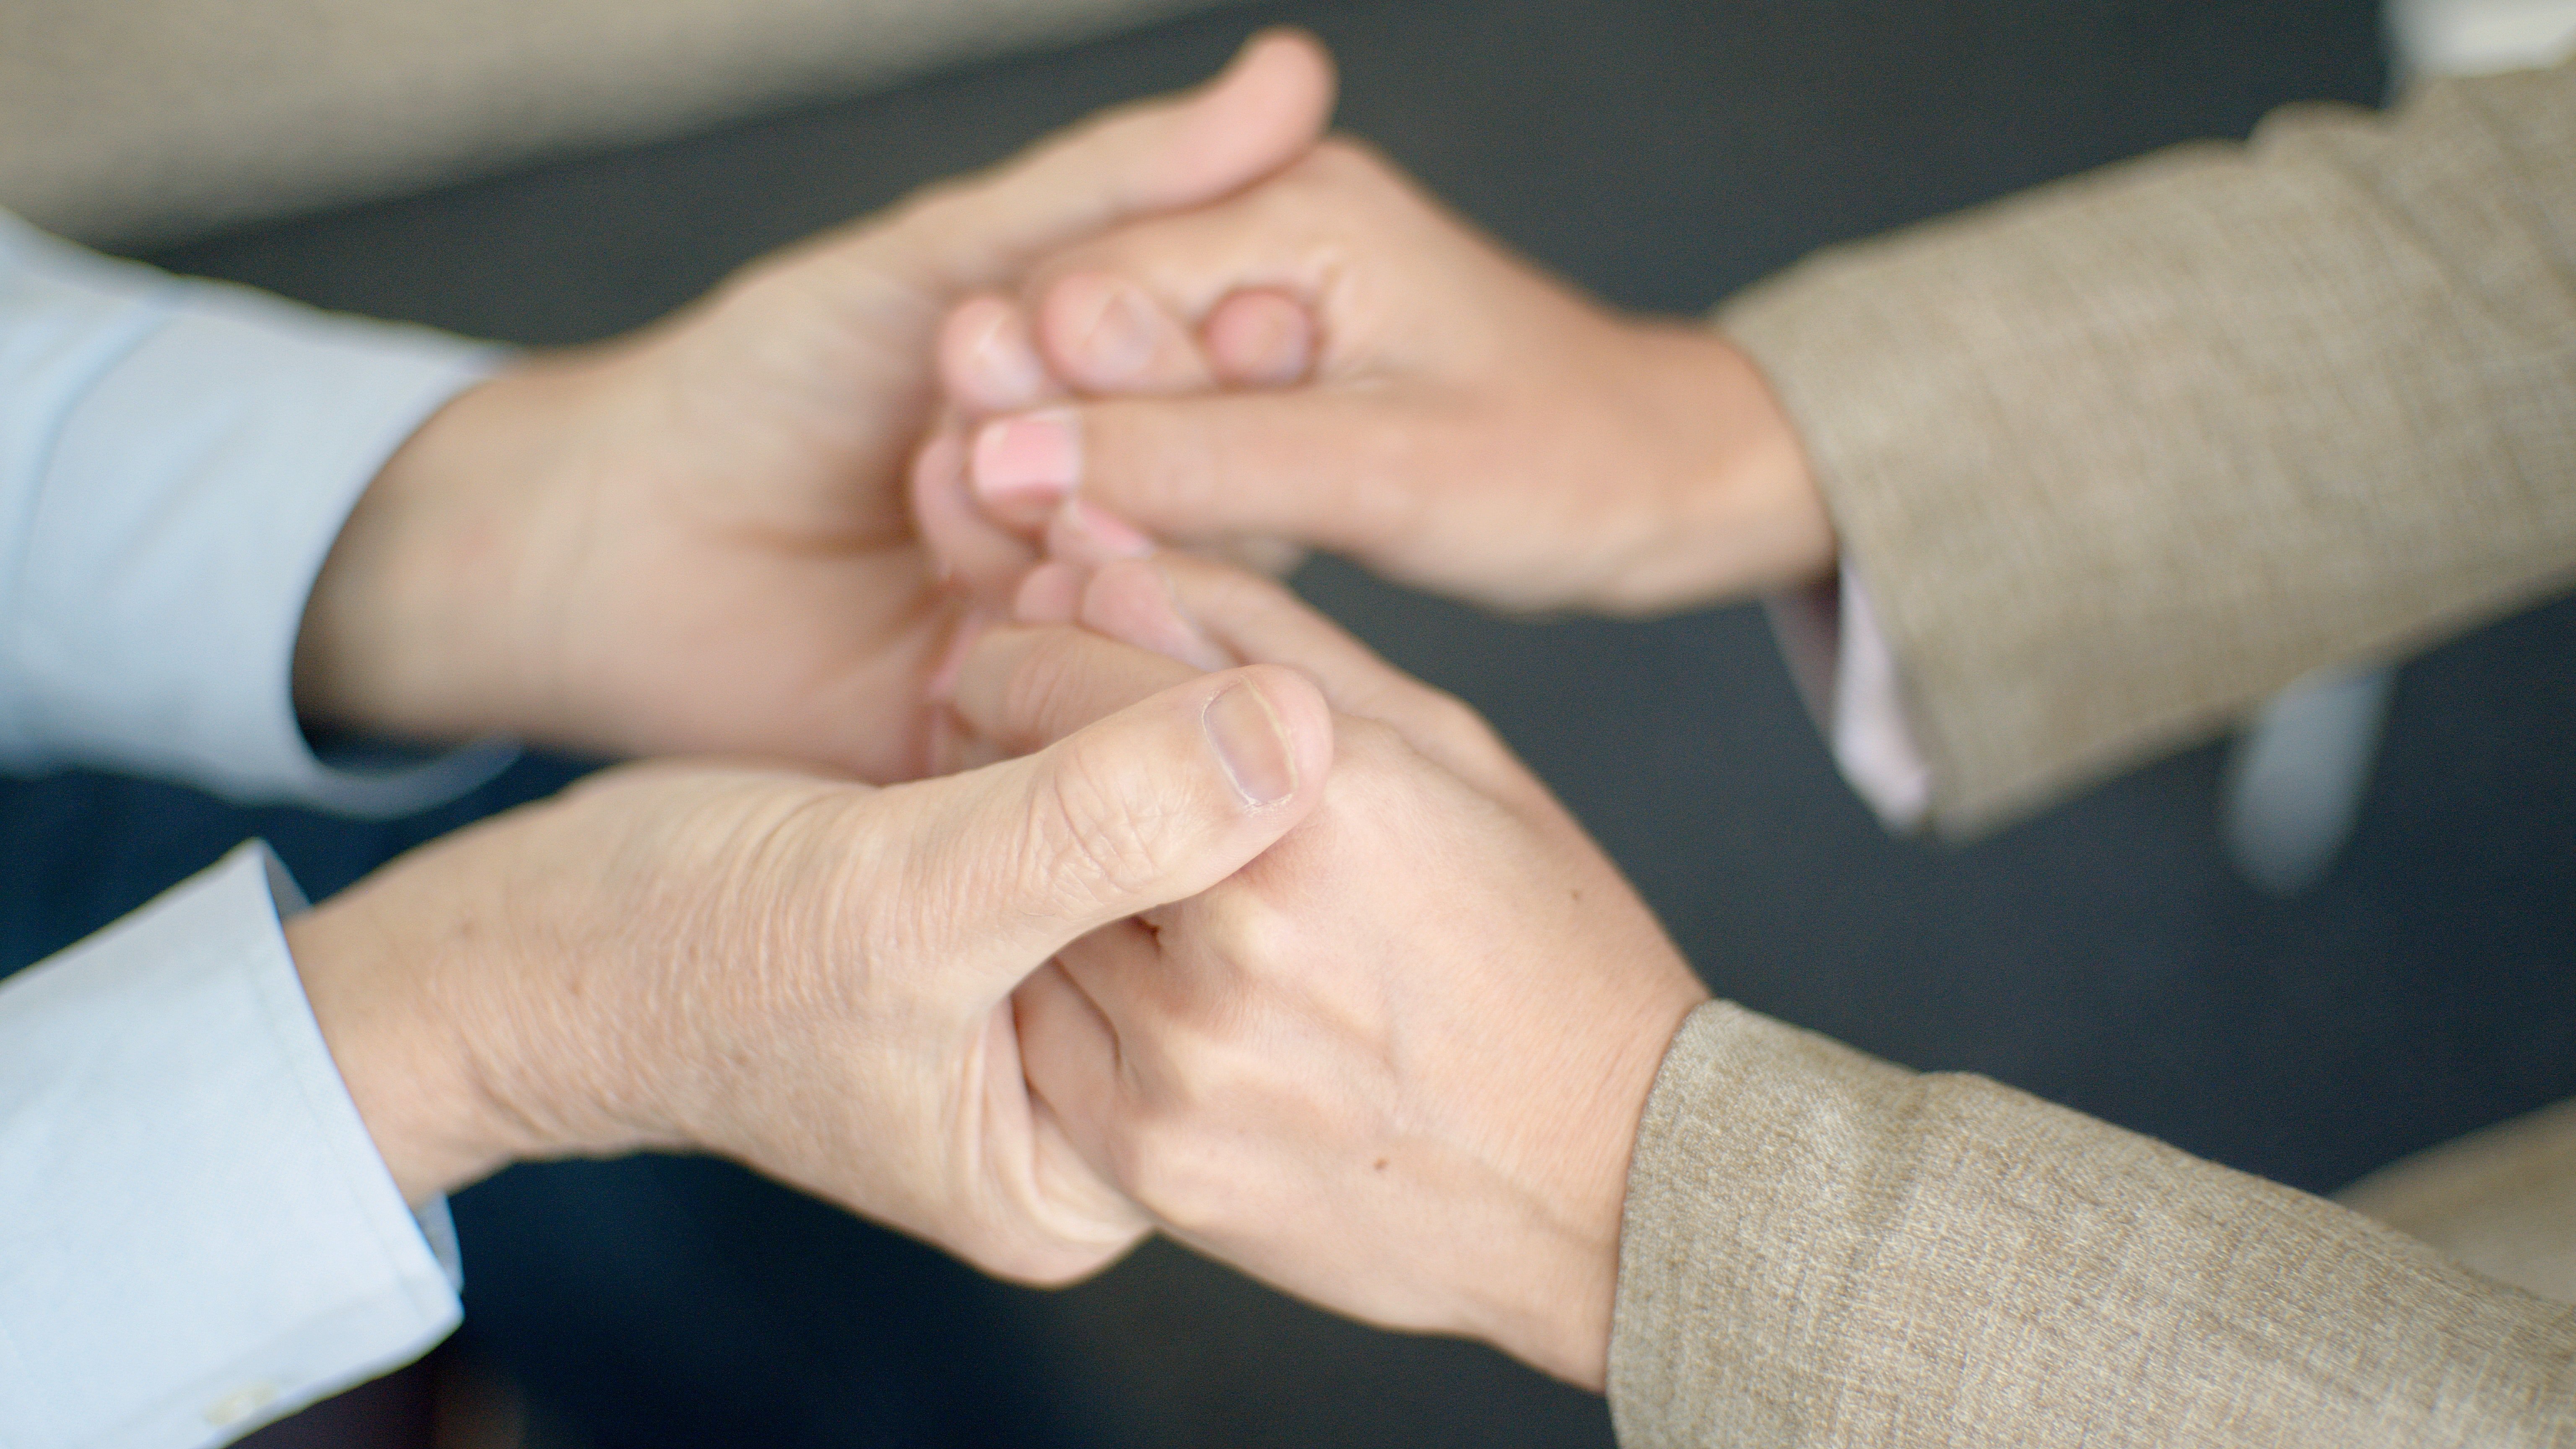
1396	1064
1332	359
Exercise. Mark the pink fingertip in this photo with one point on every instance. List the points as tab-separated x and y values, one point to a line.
1259	338
1022	466
969	552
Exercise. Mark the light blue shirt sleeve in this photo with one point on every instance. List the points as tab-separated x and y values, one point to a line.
176	458
196	1232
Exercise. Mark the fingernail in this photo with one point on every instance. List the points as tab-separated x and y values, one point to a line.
1252	745
1084	534
1025	459
1006	366
1120	339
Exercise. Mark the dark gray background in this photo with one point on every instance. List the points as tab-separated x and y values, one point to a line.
1662	154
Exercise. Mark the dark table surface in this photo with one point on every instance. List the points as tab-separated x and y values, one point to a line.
1663	154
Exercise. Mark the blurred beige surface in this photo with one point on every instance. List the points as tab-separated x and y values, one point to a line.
2502	1201
135	121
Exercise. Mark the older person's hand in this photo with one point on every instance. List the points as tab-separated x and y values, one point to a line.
810	976
1394	1065
1333	360
695	538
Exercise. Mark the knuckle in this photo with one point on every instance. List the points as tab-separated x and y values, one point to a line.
1342	158
1251	938
1456	723
1036	1262
1369	751
937	206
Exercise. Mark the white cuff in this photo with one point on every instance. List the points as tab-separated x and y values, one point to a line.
1847	674
176	459
201	1235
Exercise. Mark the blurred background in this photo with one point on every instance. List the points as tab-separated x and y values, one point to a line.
1663	154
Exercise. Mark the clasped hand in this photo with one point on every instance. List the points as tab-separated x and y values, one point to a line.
1242	934
695	540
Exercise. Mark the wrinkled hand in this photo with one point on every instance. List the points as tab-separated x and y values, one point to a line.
1396	1064
807	975
1332	359
695	538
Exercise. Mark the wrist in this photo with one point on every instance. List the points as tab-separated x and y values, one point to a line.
400	1061
1732	507
419	624
439	984
1554	1308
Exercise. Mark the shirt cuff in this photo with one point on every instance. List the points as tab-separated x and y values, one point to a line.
1846	671
202	1236
189	452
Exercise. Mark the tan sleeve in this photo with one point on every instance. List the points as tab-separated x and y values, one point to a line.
1822	1249
126	122
2120	456
2501	1200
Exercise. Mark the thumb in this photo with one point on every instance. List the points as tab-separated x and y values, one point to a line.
1151	805
1168	154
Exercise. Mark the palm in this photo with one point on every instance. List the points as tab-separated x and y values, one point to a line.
759	587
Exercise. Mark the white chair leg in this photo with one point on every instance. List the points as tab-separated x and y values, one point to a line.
2298	771
2297	774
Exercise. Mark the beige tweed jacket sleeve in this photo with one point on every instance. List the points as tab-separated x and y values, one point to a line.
2116	458
1823	1249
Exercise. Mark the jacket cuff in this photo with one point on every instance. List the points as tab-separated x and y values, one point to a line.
1819	1248
2127	453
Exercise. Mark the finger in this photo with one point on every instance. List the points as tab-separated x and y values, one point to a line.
1135	604
1021	469
975	554
941	680
988	360
1243	618
1248	618
1066	1178
1146	622
1313	465
1070	1054
1103	334
1025	688
1263	111
1151	805
1275	557
1083	534
1051	594
1260	338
